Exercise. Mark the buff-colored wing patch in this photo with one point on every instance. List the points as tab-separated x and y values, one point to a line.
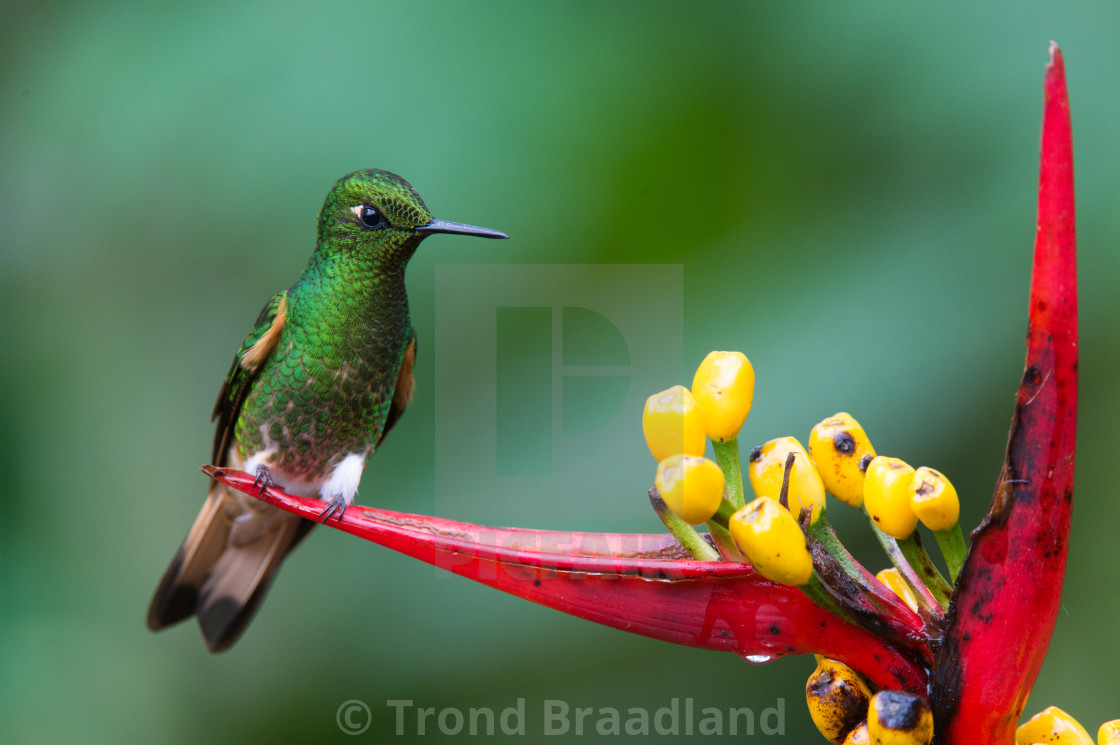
255	355
406	383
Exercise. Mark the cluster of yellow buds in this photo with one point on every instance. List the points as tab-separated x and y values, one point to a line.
774	530
846	713
790	485
677	423
897	496
1052	725
840	459
894	495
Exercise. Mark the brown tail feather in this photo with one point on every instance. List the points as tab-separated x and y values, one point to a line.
225	566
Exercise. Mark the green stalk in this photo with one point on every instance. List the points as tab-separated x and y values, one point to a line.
916	554
717	526
727	456
911	559
724	542
823	533
953	549
687	535
724	513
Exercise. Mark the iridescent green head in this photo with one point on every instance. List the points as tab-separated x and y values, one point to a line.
381	211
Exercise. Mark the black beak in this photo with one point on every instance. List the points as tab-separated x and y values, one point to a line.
444	226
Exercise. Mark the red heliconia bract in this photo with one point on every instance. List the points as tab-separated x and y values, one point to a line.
645	584
1003	610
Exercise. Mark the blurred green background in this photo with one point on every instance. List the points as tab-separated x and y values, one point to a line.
850	190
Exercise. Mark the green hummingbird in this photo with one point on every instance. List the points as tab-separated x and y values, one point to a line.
320	380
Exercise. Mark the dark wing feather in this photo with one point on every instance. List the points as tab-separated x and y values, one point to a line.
256	348
216	575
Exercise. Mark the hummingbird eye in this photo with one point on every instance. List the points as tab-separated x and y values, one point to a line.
370	216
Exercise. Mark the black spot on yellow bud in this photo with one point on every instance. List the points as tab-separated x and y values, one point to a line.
844	443
840	704
865	461
899	710
756	453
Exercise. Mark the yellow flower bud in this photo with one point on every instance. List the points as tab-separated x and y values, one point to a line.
837	699
886	495
858	736
672	425
934	500
767	468
691	486
1052	725
1109	733
841	450
899	718
893	579
724	389
773	542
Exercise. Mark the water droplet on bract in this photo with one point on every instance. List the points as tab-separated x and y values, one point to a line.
757	659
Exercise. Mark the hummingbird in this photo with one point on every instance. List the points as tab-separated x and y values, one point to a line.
320	380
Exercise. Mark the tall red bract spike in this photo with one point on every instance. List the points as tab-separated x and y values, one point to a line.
1003	613
644	584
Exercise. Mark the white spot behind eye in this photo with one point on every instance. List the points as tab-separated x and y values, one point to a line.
357	210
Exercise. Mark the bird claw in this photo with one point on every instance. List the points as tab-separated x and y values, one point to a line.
263	481
335	508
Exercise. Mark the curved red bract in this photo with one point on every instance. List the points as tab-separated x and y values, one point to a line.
1003	611
644	584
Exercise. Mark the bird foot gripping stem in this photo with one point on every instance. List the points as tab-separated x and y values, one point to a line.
262	486
335	508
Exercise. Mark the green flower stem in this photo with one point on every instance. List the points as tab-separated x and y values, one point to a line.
685	533
916	555
727	456
724	513
914	563
817	591
823	533
717	526
724	542
953	548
